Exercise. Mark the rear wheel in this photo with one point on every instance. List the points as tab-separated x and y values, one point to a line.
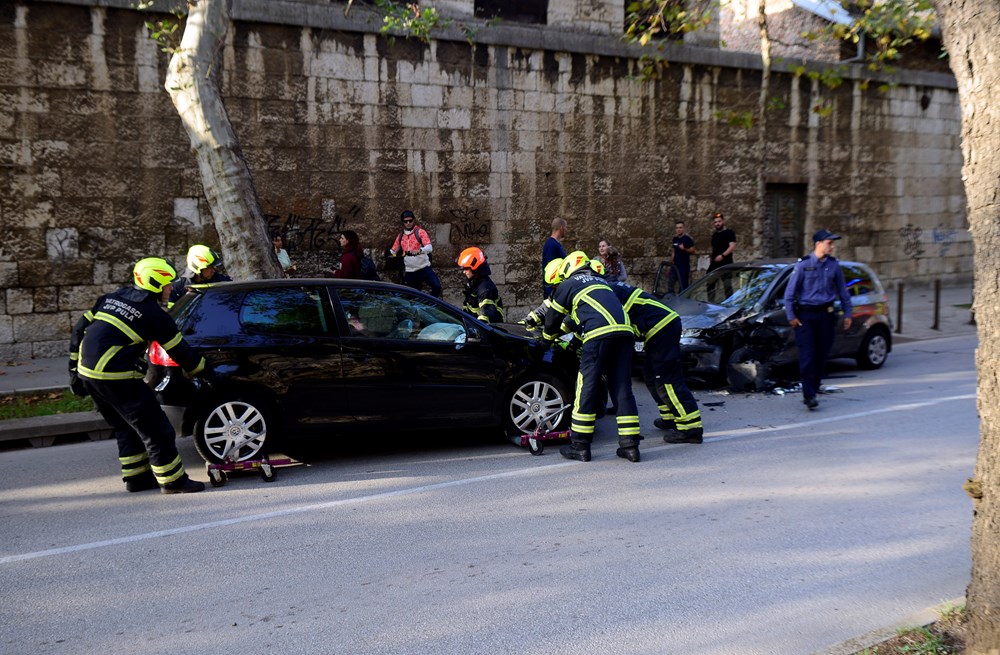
874	349
537	401
234	429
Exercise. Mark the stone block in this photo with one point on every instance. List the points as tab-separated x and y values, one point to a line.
42	327
46	299
40	273
6	330
8	274
19	301
13	352
79	297
49	349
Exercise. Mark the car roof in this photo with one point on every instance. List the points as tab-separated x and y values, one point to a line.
781	262
298	282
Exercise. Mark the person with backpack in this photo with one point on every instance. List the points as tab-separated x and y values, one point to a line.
350	260
414	245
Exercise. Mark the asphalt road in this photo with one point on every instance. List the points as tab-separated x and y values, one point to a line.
786	532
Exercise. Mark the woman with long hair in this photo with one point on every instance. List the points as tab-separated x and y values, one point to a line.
614	267
350	260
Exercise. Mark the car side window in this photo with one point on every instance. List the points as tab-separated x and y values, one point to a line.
394	314
285	310
858	280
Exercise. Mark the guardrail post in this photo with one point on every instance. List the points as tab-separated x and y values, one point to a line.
899	308
937	305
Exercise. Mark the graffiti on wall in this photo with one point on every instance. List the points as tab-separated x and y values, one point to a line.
308	233
468	227
910	235
944	236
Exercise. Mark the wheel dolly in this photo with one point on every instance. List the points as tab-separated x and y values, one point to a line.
218	471
543	434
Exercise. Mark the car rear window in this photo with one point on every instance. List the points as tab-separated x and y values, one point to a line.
286	310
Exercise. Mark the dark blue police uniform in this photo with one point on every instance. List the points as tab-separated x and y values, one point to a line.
814	287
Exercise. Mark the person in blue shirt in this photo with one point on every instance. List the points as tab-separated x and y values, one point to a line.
553	249
816	283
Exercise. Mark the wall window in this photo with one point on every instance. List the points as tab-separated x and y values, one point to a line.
515	11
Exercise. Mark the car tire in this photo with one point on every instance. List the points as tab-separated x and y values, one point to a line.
531	399
236	428
874	349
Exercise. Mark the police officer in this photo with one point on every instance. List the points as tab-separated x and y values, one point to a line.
106	362
203	266
607	348
817	281
660	329
482	299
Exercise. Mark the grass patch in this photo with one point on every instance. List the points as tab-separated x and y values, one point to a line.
946	636
46	403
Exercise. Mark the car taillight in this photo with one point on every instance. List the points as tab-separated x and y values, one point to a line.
159	356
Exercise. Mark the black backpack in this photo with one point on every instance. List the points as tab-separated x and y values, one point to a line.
368	270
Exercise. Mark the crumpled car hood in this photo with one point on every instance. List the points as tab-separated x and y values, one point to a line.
701	315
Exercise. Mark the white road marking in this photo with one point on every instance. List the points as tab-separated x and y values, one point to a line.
9	559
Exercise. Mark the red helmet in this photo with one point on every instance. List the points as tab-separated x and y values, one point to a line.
471	258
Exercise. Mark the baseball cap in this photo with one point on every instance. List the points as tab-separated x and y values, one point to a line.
823	235
407	214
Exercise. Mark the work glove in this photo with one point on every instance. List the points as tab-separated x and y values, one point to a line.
76	384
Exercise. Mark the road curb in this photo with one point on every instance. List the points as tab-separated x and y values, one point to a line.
921	619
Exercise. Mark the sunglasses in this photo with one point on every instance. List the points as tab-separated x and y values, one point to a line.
408	220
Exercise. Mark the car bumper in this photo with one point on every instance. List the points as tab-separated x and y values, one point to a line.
700	358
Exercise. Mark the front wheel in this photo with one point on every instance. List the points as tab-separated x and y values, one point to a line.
874	349
233	429
538	402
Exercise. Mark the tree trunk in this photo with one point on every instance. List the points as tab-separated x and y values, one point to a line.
969	29
192	82
762	231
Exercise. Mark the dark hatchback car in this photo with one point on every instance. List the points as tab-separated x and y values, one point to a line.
348	356
736	314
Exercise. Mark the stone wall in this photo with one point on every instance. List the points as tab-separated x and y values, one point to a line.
486	141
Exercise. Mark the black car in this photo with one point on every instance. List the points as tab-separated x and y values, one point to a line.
349	356
736	314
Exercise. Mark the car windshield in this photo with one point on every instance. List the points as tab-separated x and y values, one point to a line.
733	287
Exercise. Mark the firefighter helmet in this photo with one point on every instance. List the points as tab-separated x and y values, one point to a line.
551	274
201	257
573	263
153	274
597	266
471	258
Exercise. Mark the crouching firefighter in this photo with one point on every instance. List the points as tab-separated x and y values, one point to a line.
660	329
106	361
482	299
608	343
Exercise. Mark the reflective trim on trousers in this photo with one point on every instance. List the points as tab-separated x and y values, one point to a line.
169	473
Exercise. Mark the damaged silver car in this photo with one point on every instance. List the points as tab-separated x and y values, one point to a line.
735	315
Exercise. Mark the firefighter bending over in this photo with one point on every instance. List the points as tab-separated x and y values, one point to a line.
608	342
660	328
106	361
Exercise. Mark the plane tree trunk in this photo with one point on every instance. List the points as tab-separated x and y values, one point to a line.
192	82
969	30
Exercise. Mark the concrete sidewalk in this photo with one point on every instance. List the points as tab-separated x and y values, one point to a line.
916	324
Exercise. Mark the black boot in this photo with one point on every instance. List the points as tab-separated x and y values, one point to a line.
811	402
694	435
631	454
184	485
141	482
577	451
664	424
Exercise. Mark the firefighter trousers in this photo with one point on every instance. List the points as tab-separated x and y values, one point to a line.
144	434
664	377
610	356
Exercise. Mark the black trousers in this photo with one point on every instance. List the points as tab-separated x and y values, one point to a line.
612	357
664	376
814	339
146	440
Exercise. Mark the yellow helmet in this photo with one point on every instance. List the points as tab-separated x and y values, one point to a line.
153	274
201	257
597	266
573	263
551	274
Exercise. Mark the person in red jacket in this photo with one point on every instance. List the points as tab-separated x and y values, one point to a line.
350	260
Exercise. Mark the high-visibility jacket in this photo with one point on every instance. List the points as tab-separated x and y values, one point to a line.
647	314
591	304
110	340
482	299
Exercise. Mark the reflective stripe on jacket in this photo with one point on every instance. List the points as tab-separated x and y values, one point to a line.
591	304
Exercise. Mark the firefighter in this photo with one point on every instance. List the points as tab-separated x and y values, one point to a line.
106	362
660	329
203	266
608	342
482	299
